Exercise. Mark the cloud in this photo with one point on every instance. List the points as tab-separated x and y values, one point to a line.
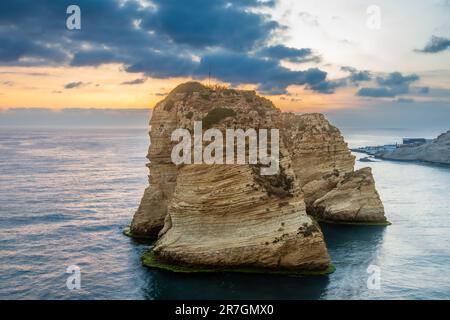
376	92
206	23
309	19
232	67
389	86
163	65
281	52
397	79
74	85
94	57
16	45
165	39
134	82
435	45
357	75
347	42
420	90
239	68
328	87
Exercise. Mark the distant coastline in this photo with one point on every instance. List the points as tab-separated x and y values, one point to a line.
435	151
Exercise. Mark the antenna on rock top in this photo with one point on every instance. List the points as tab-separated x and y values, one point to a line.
209	76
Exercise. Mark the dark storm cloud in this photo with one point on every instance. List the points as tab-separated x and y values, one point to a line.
389	86
94	57
229	66
206	23
163	65
37	29
435	45
166	39
16	45
238	68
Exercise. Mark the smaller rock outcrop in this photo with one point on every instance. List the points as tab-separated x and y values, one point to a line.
354	199
324	165
319	153
435	151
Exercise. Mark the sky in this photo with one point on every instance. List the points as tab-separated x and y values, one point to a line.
389	59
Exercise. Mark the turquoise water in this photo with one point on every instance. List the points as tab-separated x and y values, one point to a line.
65	196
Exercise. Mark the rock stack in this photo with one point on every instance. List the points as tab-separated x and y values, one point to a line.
231	217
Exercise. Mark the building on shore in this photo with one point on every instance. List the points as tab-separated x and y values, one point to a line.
413	142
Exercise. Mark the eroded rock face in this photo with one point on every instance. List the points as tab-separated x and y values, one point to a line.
354	199
229	220
322	162
149	218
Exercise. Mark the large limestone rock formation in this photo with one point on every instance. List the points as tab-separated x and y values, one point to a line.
225	216
232	216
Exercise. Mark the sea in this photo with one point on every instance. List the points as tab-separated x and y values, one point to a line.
67	194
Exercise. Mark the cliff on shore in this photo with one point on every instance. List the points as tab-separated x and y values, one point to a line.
233	217
435	151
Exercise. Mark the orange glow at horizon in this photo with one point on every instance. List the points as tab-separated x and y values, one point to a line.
102	87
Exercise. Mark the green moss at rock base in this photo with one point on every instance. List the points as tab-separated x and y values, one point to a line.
127	232
355	223
151	261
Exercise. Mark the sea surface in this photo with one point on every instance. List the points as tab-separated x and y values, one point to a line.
66	195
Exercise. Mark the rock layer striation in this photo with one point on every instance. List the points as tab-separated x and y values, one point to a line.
324	166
